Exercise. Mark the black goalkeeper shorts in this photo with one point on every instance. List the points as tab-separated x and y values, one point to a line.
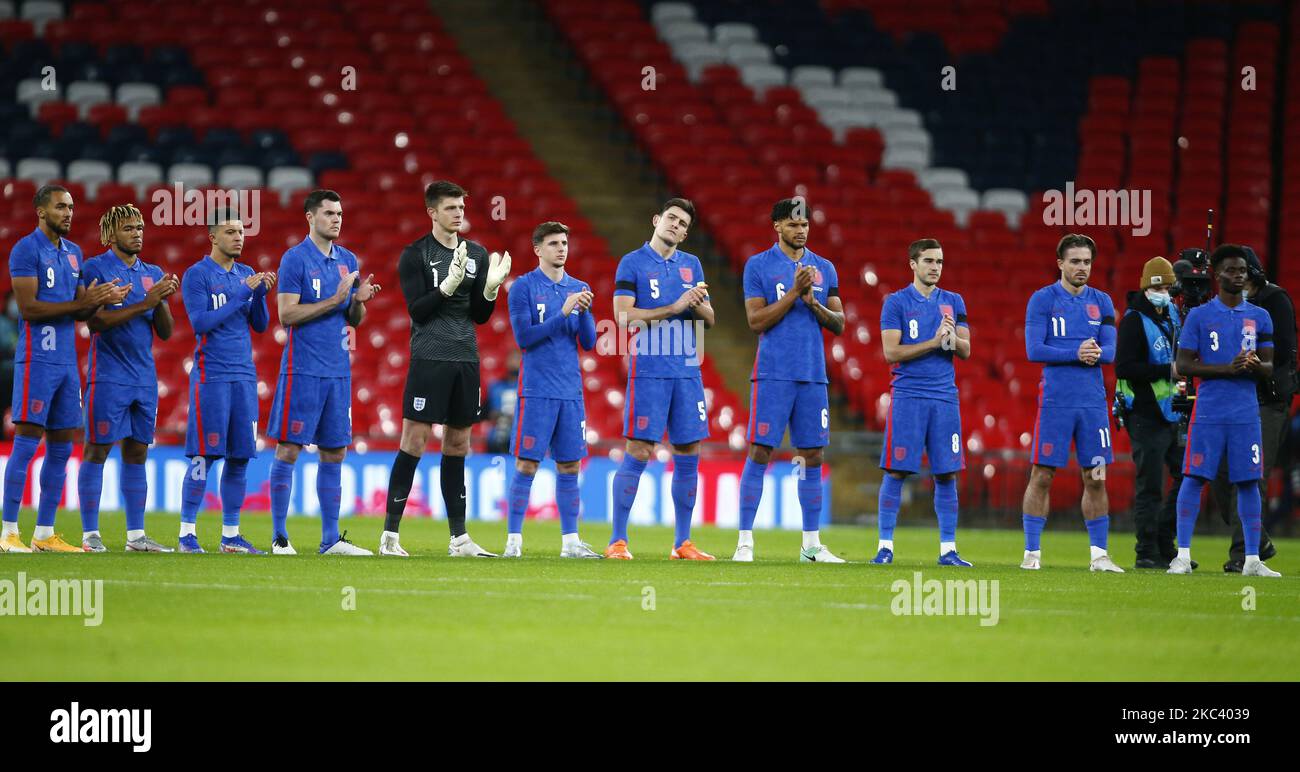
445	393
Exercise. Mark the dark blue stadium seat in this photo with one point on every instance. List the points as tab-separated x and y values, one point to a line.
325	161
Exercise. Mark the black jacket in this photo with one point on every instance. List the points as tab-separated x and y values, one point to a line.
1133	353
1277	303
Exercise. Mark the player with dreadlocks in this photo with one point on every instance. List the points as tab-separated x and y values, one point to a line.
121	380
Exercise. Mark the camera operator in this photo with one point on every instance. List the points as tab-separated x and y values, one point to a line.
1274	399
1144	395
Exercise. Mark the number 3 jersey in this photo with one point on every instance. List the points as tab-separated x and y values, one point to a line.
917	318
1056	324
1217	334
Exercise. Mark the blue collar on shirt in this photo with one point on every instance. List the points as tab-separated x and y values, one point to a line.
62	246
122	263
333	255
916	293
649	250
1063	292
565	281
1220	305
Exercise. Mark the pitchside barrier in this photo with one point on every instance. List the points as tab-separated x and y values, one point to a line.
365	487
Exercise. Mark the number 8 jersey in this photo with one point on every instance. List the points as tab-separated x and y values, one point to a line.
917	318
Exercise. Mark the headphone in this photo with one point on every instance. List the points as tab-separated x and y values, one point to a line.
1254	268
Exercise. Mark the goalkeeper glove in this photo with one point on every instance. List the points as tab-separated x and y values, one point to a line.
498	270
456	273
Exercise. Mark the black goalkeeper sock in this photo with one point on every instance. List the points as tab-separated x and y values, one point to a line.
453	493
399	488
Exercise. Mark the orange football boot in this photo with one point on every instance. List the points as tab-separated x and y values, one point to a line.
618	551
688	552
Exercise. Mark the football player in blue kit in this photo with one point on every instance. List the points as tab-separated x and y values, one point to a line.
121	377
791	293
661	290
46	271
1228	344
224	299
550	313
922	327
1070	329
320	303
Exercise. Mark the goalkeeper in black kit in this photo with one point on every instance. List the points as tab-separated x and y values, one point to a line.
450	285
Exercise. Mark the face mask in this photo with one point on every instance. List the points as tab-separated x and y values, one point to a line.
1158	299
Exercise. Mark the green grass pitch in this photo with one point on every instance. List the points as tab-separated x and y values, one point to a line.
225	617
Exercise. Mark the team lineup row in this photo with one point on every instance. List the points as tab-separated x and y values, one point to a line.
451	284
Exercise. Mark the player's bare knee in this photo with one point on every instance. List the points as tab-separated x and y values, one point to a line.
1041	476
455	441
564	467
528	466
332	455
26	429
639	450
415	437
98	454
65	435
811	456
132	452
288	452
760	454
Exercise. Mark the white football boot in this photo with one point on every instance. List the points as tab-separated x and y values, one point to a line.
1104	564
1032	561
744	554
1180	566
390	545
1256	567
579	550
464	547
818	554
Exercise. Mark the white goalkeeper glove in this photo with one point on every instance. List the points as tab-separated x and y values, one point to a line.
456	273
498	270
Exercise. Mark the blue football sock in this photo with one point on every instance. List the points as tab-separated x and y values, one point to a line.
1098	531
1033	525
90	484
686	482
329	492
281	493
521	486
945	508
193	489
1189	506
233	487
568	500
54	473
626	481
1249	508
20	458
810	497
751	492
891	495
135	489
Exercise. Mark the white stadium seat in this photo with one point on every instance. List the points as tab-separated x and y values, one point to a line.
38	170
133	96
861	76
287	179
40	13
676	32
4	168
910	158
90	173
943	177
33	95
735	32
6	9
239	177
742	53
85	93
190	175
762	76
662	13
140	174
811	75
